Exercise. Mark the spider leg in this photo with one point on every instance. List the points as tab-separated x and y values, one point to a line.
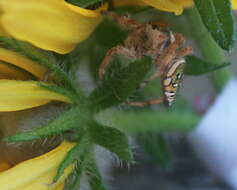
170	53
112	52
147	102
185	51
123	21
159	24
151	78
162	62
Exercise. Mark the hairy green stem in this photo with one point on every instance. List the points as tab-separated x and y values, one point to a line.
209	48
149	121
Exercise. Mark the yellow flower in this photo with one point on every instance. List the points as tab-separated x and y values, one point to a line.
37	173
174	6
18	92
49	24
23	93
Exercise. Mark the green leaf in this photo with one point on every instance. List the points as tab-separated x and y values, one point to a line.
217	17
71	119
68	160
83	3
112	139
95	179
197	66
73	181
23	47
156	146
150	121
109	33
76	98
75	154
101	41
120	84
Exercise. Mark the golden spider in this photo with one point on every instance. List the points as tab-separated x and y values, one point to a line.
166	49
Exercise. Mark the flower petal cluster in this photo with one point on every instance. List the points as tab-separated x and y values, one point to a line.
34	21
19	90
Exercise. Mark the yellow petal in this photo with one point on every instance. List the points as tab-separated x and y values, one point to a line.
37	173
21	61
175	6
234	4
2	31
188	3
163	5
183	3
8	71
19	95
49	24
60	187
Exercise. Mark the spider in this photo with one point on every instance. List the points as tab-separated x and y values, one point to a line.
166	49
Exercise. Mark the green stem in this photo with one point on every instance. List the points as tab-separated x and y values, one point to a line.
209	49
140	122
